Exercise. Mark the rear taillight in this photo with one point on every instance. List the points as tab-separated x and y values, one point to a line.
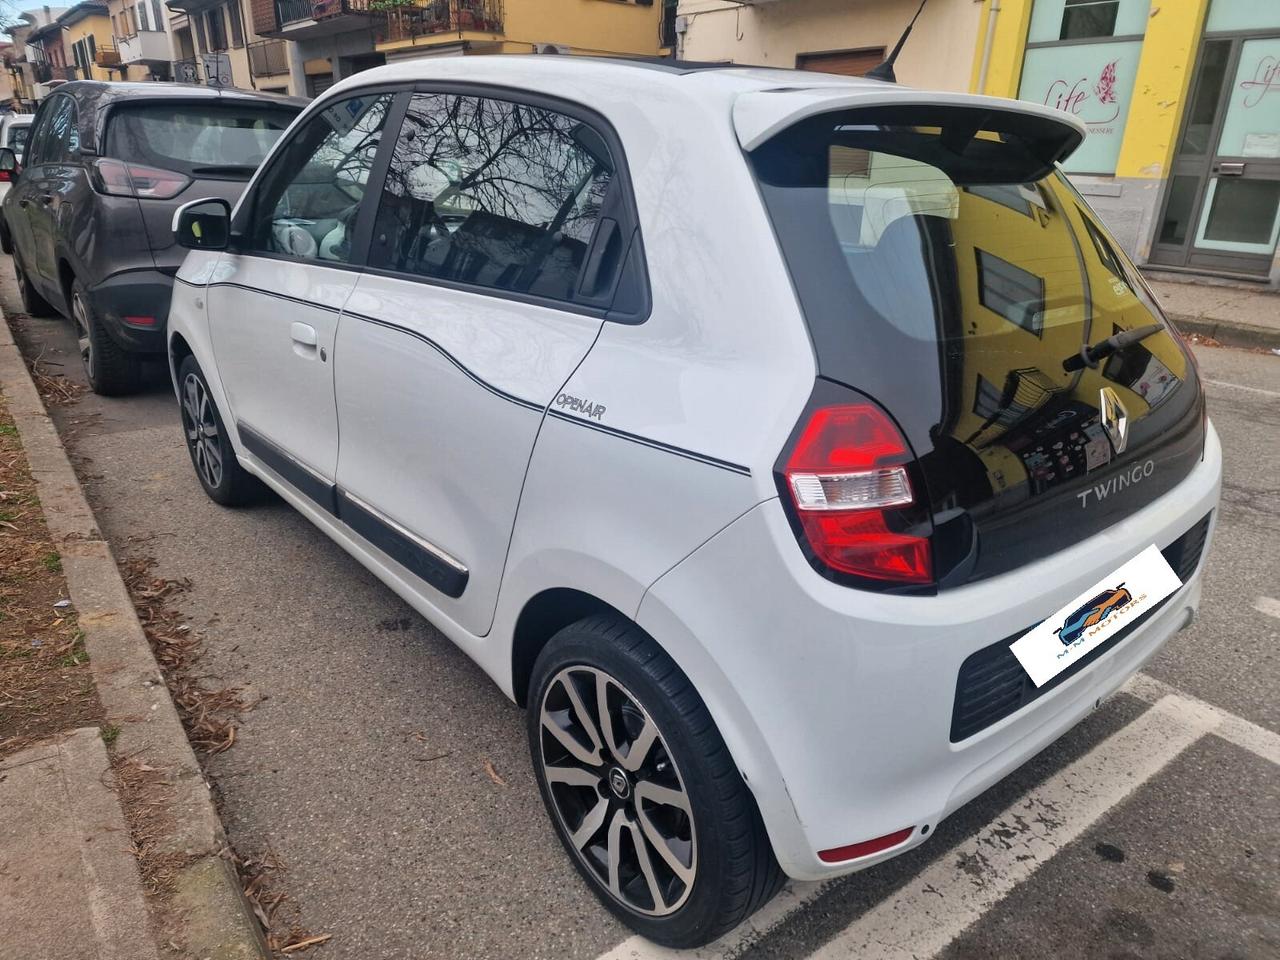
848	482
4	176
120	179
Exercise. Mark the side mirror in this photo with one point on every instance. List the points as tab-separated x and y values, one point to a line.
200	224
9	165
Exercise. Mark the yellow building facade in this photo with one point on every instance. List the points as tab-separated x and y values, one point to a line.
456	27
1182	103
86	30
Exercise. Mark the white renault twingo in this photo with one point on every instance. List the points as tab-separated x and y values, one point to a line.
759	431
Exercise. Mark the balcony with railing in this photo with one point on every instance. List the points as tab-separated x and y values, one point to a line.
145	46
268	58
411	20
304	19
107	55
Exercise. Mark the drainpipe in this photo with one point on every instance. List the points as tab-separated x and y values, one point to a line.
992	14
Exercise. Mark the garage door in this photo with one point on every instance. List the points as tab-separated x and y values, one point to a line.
848	63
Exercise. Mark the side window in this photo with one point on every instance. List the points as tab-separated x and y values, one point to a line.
35	152
493	193
62	141
307	203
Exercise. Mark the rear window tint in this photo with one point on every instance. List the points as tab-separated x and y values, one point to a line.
215	141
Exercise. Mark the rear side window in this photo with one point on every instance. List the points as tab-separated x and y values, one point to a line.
217	141
18	135
61	136
493	193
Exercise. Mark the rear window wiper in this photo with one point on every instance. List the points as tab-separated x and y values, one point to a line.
1090	355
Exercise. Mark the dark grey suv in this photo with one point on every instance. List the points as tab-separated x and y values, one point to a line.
89	217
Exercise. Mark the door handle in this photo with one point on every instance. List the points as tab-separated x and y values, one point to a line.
23	202
304	339
1230	169
46	198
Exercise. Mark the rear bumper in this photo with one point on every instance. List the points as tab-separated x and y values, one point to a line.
837	704
134	293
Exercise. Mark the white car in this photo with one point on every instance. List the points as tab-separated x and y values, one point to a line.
737	422
14	130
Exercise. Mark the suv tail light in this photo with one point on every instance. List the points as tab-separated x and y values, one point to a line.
847	479
120	179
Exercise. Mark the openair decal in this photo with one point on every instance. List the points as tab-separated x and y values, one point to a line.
1096	614
1266	79
1093	100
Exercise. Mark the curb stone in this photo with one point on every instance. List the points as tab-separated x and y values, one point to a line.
214	920
1231	333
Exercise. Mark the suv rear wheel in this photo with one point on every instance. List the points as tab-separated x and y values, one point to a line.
111	370
33	304
641	788
217	469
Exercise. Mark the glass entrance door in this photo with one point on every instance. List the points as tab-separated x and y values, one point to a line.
1222	204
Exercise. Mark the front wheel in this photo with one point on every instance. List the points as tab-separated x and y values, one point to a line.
217	469
641	788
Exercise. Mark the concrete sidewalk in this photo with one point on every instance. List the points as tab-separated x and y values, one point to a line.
1234	315
69	884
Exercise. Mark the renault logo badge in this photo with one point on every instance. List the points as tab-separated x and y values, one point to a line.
1115	420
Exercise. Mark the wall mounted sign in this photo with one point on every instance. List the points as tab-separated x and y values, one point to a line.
1093	82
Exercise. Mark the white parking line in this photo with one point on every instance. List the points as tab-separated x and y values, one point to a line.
1237	730
1268	605
1092	780
953	892
1241	386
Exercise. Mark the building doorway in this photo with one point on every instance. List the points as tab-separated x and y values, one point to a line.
1221	207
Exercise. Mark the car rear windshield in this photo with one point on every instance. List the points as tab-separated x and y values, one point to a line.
944	250
218	141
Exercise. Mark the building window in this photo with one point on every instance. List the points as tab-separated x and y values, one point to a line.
216	27
142	17
1082	58
1013	293
237	24
1088	18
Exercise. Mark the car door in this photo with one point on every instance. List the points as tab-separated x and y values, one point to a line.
48	202
497	246
275	297
18	209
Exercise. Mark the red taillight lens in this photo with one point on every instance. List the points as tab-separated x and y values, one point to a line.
5	177
120	179
847	477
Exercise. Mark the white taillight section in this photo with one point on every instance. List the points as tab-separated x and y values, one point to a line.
865	490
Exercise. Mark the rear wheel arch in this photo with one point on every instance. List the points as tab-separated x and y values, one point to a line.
542	617
66	277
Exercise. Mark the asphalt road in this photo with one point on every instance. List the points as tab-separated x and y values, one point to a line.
366	768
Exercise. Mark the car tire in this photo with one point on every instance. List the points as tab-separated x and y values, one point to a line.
33	304
111	370
208	444
683	792
6	243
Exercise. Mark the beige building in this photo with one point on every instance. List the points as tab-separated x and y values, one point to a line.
835	36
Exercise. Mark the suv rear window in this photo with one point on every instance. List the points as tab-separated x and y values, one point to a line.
217	141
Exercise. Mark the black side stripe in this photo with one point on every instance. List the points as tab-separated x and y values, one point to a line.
498	391
473	377
307	483
449	578
654	444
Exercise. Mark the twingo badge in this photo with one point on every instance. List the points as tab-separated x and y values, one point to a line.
1108	606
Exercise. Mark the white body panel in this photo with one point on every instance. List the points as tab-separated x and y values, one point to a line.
440	395
274	320
437	407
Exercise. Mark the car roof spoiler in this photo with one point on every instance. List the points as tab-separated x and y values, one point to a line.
760	114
